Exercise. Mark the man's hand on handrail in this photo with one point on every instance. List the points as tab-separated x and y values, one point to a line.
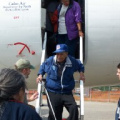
39	79
82	77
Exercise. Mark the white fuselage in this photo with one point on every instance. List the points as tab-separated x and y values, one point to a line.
20	26
21	22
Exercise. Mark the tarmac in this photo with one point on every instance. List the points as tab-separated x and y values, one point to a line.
93	110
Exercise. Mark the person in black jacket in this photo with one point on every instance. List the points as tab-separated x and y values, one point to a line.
50	25
12	90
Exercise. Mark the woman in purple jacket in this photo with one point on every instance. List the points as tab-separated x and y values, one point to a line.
69	24
12	90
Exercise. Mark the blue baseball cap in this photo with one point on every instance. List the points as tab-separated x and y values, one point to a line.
61	48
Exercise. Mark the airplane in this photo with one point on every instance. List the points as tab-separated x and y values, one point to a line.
21	24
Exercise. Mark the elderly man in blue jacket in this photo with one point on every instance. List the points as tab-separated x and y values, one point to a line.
60	82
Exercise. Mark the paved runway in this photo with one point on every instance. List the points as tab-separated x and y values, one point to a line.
93	111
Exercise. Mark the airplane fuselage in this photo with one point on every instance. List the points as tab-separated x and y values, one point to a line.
20	37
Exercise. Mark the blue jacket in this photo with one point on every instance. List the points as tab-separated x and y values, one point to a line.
19	111
66	83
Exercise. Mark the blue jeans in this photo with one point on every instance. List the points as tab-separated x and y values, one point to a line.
72	44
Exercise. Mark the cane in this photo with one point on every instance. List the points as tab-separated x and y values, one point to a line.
50	103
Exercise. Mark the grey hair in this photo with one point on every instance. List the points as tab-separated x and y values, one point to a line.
11	81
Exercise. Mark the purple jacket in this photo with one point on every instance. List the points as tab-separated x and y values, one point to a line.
72	17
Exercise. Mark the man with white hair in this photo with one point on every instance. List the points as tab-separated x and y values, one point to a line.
60	82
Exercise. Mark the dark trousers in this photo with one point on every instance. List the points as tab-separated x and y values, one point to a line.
59	101
72	44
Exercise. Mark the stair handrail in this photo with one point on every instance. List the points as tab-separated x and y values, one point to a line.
81	82
39	99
